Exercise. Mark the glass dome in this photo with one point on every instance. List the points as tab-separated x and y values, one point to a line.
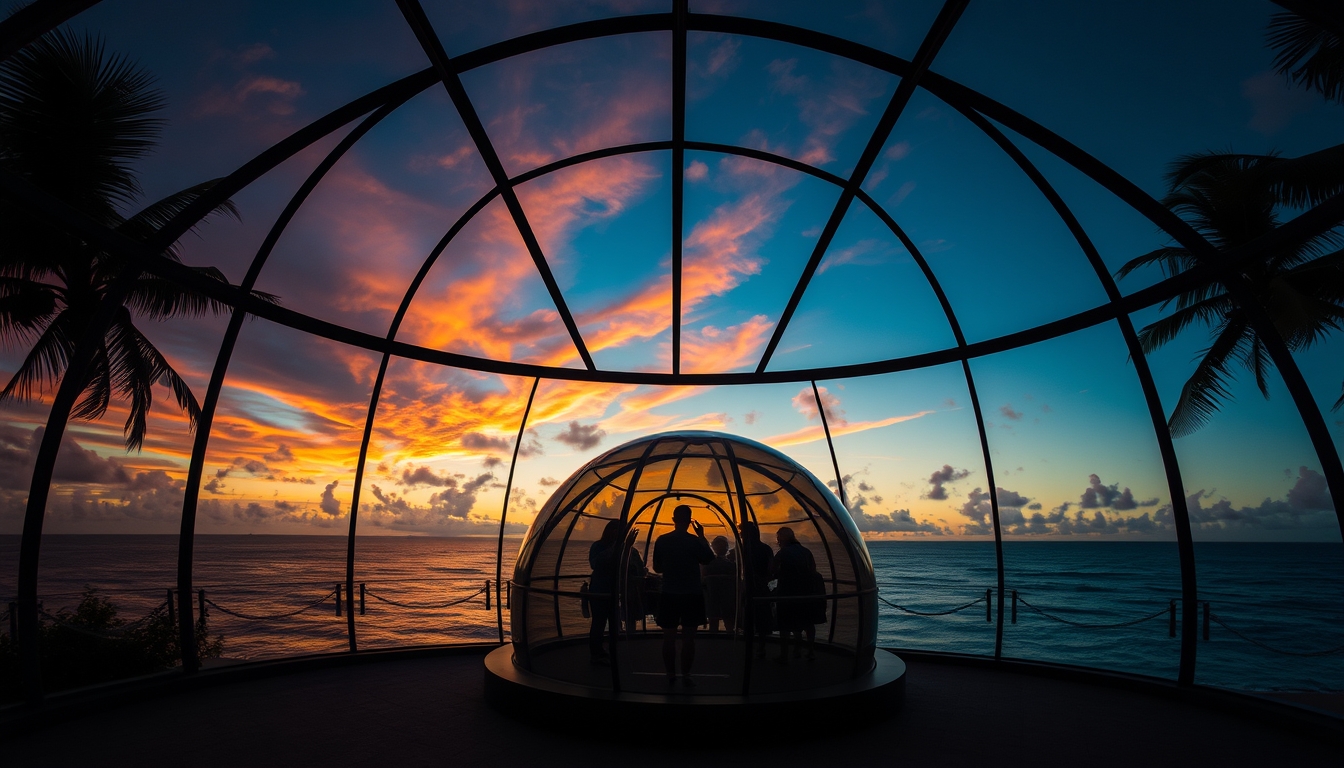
727	481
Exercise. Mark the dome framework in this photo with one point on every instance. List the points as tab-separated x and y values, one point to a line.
915	75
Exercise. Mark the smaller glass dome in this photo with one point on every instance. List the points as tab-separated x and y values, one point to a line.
727	481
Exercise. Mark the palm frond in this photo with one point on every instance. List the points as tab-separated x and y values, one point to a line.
1206	389
1158	333
1173	261
73	119
25	307
154	216
97	392
46	361
1308	51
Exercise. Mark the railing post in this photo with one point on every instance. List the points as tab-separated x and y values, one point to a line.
338	599
1171	623
200	603
361	598
172	610
1014	606
487	594
1206	619
989	606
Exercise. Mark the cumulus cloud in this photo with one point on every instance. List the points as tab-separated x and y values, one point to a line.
697	171
978	510
805	402
751	417
1008	413
251	467
475	441
1310	492
329	504
581	437
547	482
894	521
280	455
74	463
414	476
1100	496
940	478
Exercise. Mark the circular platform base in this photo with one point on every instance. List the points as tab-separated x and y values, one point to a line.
549	702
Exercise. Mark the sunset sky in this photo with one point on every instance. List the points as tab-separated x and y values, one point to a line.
1134	83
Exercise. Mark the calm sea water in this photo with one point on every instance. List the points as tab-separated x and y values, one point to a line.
1287	596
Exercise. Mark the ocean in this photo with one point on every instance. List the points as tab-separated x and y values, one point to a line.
1283	598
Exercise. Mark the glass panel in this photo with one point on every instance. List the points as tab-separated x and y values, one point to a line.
1118	232
891	27
236	82
281	459
910	454
431	502
1001	253
1212	50
464	26
562	101
353	249
868	301
1267	542
750	228
1087	523
807	105
605	227
484	297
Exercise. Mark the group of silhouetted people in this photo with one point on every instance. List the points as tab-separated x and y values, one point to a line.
700	587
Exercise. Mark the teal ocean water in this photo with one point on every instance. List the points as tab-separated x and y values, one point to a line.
1287	597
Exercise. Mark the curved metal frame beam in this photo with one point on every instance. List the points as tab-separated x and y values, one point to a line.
928	49
504	513
429	41
1175	485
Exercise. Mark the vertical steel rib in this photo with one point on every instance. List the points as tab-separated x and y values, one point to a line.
933	41
200	444
678	169
424	32
504	513
1175	484
830	445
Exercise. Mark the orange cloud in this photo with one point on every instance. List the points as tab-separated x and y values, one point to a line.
815	432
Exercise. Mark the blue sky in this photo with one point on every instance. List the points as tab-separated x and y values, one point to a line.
1135	84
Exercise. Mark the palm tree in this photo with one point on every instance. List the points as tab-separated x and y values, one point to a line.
1232	200
73	119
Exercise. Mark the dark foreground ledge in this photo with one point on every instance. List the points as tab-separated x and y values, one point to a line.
428	709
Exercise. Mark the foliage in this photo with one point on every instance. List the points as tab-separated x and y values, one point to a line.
1309	45
93	644
73	120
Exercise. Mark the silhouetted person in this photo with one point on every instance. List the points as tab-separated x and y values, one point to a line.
797	573
720	575
677	556
757	558
604	557
632	596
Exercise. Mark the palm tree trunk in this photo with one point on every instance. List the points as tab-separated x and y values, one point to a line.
30	545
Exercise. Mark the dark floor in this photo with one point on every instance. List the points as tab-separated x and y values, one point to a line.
430	711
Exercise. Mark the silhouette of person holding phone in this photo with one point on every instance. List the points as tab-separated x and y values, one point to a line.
678	556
